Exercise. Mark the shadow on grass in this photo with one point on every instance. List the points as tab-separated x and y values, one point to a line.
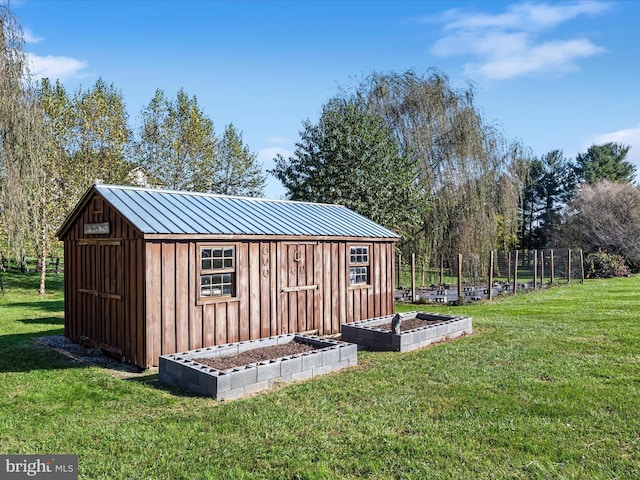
18	353
150	380
43	305
44	321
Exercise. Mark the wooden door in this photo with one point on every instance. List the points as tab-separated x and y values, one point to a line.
100	293
299	292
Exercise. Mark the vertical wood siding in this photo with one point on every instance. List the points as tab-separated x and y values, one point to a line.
104	295
282	287
140	298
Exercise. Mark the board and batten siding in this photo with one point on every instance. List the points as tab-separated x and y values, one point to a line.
282	286
104	296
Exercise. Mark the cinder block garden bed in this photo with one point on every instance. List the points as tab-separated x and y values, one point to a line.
417	330
309	357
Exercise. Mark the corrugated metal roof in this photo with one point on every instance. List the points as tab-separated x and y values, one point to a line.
155	211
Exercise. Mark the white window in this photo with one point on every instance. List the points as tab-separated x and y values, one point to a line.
359	265
217	271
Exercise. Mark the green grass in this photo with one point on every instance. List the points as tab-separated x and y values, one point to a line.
547	387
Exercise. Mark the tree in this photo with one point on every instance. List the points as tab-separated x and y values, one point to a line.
350	157
236	172
548	186
464	165
176	143
97	139
15	165
25	139
605	217
605	162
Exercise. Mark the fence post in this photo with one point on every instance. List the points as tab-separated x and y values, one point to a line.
490	286
568	265
535	269
552	269
515	272
541	268
413	277
441	269
581	266
460	295
508	267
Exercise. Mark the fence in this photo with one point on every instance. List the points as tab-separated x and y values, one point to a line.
482	276
53	265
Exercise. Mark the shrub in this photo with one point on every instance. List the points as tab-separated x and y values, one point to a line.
604	265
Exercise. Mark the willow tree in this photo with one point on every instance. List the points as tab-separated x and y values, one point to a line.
24	140
464	165
14	160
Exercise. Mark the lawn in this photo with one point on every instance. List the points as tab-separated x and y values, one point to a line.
548	386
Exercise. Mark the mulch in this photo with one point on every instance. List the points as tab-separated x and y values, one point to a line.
256	355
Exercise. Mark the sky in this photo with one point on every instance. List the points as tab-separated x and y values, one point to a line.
554	75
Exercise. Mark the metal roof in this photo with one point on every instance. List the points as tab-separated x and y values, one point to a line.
154	211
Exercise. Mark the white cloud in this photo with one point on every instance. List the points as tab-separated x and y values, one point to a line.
266	155
56	67
628	136
30	37
509	44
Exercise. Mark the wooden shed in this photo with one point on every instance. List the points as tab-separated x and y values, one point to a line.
150	272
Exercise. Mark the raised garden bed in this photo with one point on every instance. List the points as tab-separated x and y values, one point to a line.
424	329
187	371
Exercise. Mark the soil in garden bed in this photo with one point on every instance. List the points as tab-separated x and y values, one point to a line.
410	324
256	355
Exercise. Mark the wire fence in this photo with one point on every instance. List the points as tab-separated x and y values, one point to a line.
468	277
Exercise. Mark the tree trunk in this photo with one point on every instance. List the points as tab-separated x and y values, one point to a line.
43	256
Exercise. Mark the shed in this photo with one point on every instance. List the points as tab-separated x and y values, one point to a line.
150	272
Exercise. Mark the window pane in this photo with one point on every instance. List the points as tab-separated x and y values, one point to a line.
221	259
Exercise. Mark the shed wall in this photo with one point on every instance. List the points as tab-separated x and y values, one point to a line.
104	296
275	293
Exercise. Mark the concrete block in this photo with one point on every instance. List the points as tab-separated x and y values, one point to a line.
312	360
330	355
349	351
268	370
256	387
290	365
302	375
243	376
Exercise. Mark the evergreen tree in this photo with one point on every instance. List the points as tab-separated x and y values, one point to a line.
605	162
350	157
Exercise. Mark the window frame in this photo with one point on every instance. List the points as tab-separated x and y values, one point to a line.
359	264
200	272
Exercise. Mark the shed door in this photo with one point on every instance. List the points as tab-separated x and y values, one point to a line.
100	291
299	292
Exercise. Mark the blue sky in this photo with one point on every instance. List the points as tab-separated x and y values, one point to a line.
556	75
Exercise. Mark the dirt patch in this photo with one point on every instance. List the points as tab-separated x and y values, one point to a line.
410	324
256	355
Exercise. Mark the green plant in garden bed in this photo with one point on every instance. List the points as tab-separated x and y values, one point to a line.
546	387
